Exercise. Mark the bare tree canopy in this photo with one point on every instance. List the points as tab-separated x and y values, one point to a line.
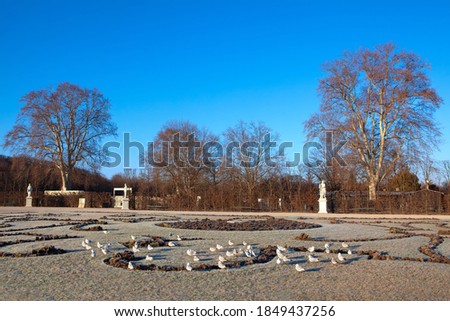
382	103
64	126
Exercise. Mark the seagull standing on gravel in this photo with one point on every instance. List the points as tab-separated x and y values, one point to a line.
244	243
279	261
340	257
87	241
230	243
135	248
105	250
93	253
179	238
172	244
219	247
149	247
149	258
333	261
221	265
222	259
190	252
188	267
133	237
105	232
131	265
349	252
281	248
312	258
196	259
327	251
212	249
99	245
229	253
311	249
344	245
299	268
327	245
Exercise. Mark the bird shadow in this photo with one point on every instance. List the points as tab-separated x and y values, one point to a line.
299	261
317	269
351	260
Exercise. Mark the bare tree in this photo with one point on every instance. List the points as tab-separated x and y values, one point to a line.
253	159
445	172
64	126
382	103
177	154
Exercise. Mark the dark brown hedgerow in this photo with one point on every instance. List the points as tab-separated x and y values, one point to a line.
250	225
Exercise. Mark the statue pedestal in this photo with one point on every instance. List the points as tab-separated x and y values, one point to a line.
126	204
322	206
29	201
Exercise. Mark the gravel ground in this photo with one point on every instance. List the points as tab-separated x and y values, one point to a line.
75	275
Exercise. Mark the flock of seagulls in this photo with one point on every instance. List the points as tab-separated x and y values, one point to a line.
224	252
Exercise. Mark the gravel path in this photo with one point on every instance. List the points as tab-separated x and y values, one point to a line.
75	275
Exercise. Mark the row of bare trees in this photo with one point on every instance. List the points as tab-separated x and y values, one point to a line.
375	128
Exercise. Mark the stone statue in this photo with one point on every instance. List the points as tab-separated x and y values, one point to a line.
322	198
322	189
125	191
29	190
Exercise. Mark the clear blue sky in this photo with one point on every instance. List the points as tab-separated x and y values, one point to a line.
211	62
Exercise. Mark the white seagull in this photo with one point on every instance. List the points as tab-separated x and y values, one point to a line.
93	253
212	249
149	247
229	253
279	261
196	259
188	267
333	261
244	243
221	265
105	232
190	252
344	245
179	238
99	245
131	265
340	257
105	250
149	258
222	259
312	259
87	241
230	243
327	251
311	249
299	268
327	245
219	247
349	252
133	237
281	248
172	244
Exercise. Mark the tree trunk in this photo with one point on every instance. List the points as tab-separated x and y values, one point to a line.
66	179
372	189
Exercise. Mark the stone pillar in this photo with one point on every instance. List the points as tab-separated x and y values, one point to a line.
29	201
126	203
323	206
